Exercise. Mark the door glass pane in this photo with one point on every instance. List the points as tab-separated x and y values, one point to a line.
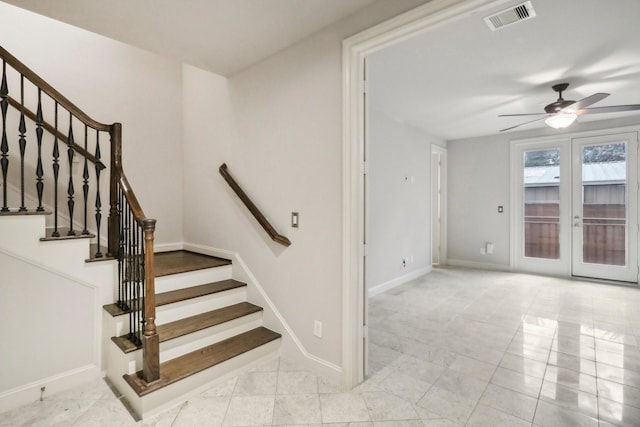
542	203
604	208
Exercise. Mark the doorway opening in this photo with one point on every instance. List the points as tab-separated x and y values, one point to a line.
355	49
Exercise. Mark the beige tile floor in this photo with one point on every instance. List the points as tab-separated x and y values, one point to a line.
455	347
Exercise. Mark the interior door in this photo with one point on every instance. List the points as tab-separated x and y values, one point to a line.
604	207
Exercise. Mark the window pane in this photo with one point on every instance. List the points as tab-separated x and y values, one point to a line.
604	208
542	204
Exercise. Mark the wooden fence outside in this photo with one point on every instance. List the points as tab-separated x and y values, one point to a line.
603	227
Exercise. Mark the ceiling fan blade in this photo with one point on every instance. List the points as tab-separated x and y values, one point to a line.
518	115
610	109
584	102
525	123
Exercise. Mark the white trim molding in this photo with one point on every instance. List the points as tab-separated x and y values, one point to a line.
398	281
477	265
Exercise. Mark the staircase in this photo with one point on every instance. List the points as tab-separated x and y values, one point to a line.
207	331
171	322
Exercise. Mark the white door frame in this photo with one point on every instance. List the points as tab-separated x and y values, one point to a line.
354	50
442	177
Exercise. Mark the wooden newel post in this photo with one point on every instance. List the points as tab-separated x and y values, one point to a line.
150	341
114	175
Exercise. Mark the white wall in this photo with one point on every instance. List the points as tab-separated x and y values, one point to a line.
478	182
286	151
50	311
35	348
398	201
114	82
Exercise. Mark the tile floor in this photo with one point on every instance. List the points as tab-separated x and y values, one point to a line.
455	347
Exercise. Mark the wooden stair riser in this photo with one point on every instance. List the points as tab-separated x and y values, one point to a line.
150	405
192	278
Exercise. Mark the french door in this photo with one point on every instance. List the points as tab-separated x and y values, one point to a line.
575	206
604	207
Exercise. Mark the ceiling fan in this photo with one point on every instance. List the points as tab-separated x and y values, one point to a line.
562	113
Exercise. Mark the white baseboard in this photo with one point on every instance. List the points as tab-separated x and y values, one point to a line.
167	247
33	392
478	265
292	348
383	287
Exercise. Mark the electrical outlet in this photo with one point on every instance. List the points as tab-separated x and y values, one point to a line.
404	262
317	328
482	251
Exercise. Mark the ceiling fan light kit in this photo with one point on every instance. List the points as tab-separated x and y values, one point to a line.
560	120
562	113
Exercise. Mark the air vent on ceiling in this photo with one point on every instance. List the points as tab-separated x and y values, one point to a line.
515	14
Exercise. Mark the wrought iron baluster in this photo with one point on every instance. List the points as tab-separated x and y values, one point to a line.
130	273
56	172
4	146
136	280
98	201
143	277
138	261
39	169
122	294
70	192
85	180
22	142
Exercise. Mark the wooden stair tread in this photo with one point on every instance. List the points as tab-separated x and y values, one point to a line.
31	211
170	297
103	250
64	235
184	366
191	324
175	262
197	291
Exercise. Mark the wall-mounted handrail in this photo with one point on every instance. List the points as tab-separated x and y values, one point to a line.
266	225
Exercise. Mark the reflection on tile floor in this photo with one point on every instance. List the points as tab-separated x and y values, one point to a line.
455	347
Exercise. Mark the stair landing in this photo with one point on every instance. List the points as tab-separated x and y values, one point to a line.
175	262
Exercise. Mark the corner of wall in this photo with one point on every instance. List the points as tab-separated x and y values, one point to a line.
292	348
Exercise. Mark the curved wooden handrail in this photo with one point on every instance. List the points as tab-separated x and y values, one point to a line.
51	129
266	225
49	90
119	184
128	193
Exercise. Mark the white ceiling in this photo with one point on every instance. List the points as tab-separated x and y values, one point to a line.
452	82
223	36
